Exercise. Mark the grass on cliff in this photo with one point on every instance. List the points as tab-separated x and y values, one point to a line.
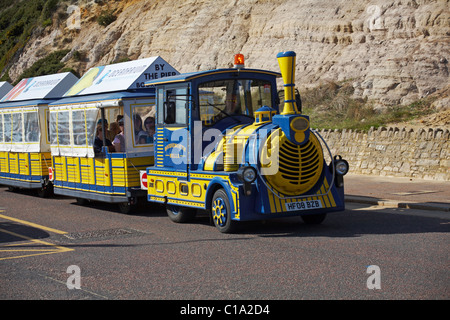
18	20
48	65
332	106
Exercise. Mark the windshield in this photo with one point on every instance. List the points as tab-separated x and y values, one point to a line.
219	99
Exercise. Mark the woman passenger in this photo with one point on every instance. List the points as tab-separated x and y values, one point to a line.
114	129
149	126
119	140
98	142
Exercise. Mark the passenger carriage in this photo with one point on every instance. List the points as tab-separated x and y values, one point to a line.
24	140
91	105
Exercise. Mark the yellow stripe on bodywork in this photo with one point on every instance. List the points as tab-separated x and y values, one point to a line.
277	204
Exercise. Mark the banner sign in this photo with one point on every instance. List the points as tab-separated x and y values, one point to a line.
121	76
5	87
43	87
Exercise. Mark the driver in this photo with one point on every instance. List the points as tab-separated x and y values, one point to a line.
231	106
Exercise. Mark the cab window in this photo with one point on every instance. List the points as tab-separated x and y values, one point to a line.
172	106
219	99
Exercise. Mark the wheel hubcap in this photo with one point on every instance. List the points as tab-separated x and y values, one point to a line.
219	212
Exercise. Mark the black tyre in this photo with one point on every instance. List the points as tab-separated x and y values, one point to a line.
81	201
180	214
127	208
221	212
314	218
46	191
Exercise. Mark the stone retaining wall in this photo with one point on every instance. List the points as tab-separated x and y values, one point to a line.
400	152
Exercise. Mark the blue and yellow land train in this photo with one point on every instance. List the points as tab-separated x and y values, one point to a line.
223	144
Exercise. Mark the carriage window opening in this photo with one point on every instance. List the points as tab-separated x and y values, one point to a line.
31	123
64	128
1	128
7	127
143	124
17	127
79	127
53	129
72	130
91	115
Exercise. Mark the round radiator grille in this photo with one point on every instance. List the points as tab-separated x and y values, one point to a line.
299	167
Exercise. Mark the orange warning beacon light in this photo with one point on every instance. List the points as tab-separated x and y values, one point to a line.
239	61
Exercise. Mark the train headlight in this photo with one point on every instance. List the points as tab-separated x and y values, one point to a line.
300	124
247	174
341	166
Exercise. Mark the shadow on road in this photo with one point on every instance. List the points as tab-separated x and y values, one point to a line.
13	232
353	223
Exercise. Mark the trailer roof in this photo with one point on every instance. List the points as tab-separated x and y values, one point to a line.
103	98
51	86
129	75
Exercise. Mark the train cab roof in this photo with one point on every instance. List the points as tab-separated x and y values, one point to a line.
217	73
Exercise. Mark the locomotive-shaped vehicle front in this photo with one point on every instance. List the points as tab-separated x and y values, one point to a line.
224	144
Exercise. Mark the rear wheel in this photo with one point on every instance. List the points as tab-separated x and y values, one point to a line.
81	201
314	218
45	191
127	207
221	212
180	214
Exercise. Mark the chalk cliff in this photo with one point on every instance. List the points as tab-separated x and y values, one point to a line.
392	51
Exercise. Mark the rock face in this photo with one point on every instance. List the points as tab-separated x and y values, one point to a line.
392	51
396	152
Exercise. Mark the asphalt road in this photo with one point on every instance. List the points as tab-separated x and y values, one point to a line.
146	256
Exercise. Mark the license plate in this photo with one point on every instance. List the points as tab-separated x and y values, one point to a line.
304	205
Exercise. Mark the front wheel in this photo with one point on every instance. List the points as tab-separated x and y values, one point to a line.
221	212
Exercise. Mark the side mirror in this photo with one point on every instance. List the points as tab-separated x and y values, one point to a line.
169	112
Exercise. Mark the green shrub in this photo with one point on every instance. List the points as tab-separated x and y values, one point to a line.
47	22
48	9
332	106
48	65
106	18
18	19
